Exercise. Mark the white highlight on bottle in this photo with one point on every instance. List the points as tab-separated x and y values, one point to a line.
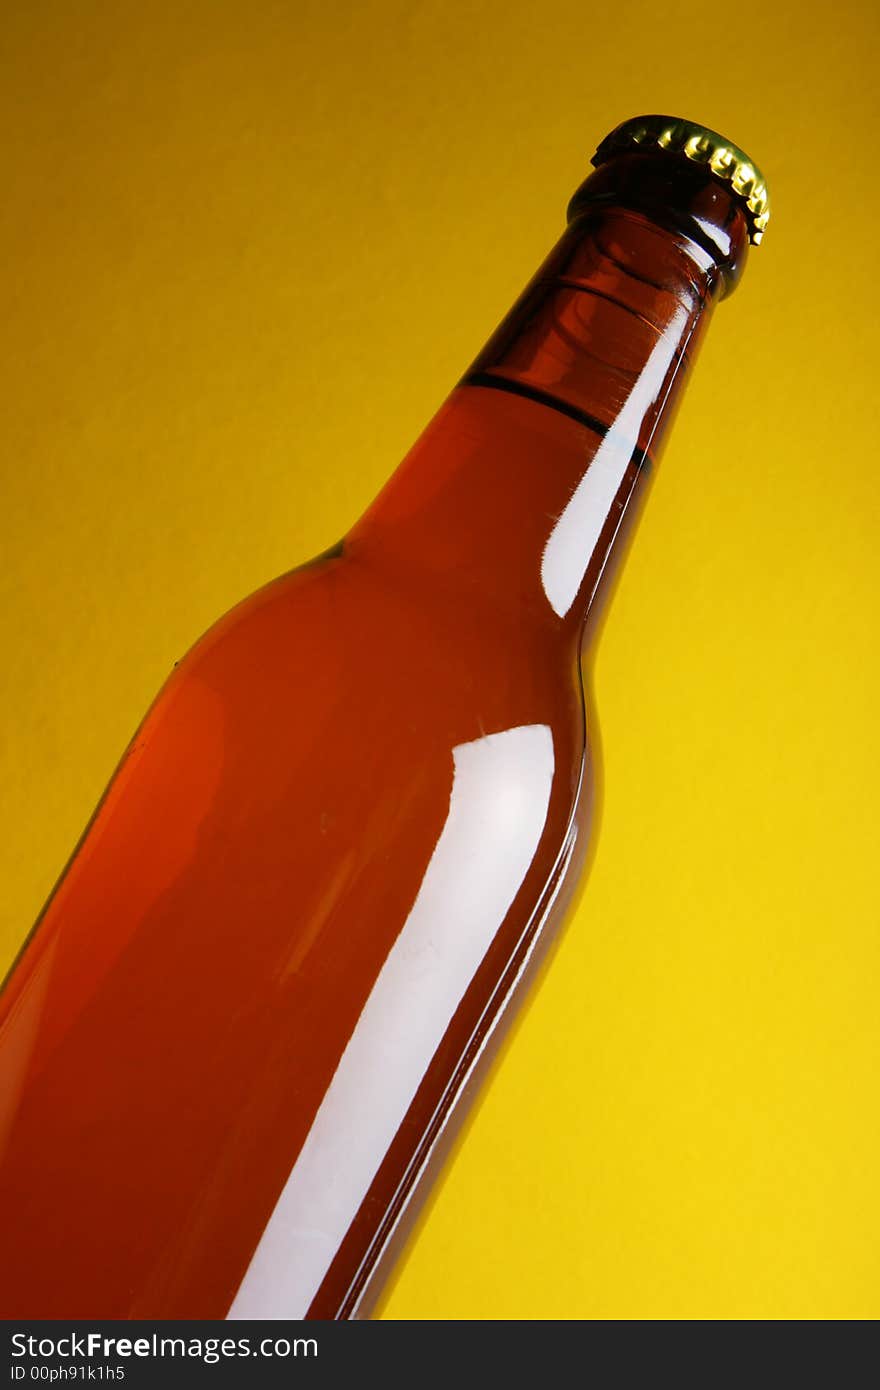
497	812
573	540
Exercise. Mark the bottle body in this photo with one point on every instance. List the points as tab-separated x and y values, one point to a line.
335	844
275	916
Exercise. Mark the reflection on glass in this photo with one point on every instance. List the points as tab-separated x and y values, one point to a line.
572	545
497	811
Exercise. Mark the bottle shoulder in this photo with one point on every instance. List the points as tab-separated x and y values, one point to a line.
337	709
351	636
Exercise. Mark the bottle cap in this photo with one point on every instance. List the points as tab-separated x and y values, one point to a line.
726	161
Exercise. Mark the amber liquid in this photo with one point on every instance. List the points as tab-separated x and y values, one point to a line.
351	818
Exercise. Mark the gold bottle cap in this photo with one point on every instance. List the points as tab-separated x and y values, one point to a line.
726	161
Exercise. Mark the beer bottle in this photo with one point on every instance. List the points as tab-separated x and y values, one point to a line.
232	1047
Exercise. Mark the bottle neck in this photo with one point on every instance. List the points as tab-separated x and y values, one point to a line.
524	486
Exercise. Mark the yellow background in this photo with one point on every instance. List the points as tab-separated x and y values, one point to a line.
248	248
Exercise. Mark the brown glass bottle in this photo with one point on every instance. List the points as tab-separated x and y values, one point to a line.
351	818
